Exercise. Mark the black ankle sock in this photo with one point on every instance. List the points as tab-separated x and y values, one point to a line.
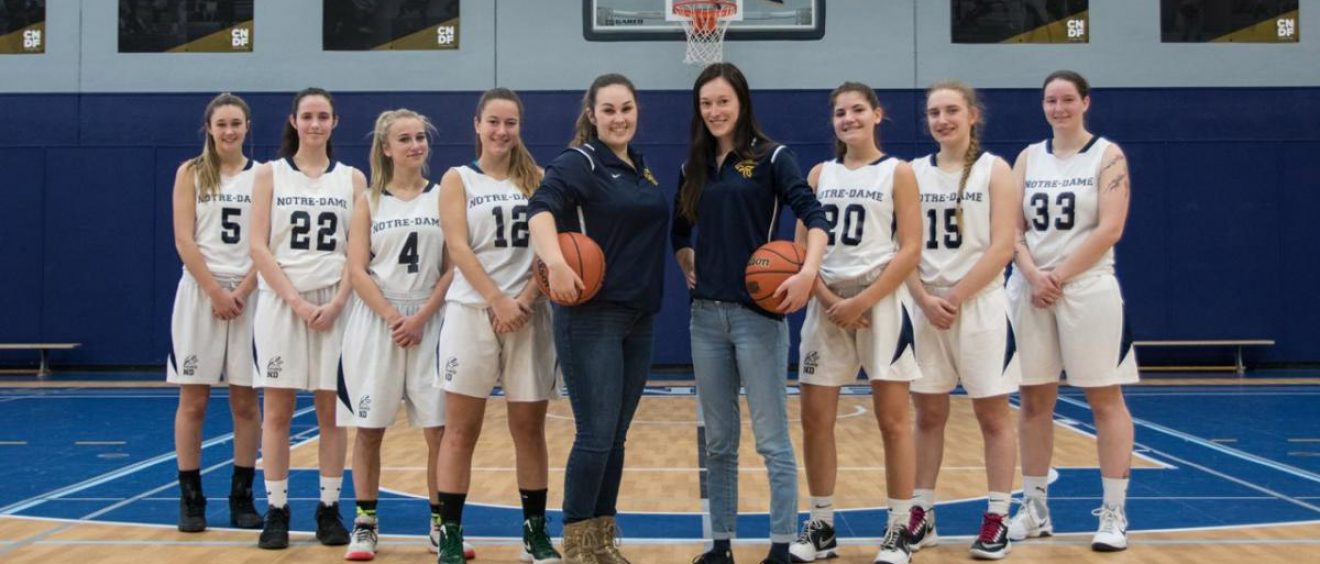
366	507
779	552
533	503
435	512
240	483
723	545
451	507
190	482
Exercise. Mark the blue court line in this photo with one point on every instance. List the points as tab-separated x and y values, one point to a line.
29	503
1281	467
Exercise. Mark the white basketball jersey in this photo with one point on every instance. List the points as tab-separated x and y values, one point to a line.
309	223
951	248
406	244
497	233
221	226
1061	203
859	205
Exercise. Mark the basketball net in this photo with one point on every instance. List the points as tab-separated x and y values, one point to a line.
705	24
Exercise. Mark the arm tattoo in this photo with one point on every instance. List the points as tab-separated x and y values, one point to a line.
1110	164
1118	182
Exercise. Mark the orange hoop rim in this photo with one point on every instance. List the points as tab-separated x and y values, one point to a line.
704	14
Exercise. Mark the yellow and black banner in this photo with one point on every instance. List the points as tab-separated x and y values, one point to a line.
1230	21
385	25
186	26
23	27
1021	21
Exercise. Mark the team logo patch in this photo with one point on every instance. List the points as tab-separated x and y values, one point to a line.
190	365
274	367
364	405
451	366
646	173
746	167
810	362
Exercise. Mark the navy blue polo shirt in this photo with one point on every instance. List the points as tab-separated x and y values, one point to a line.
624	211
738	212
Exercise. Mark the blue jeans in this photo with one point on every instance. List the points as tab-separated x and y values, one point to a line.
605	353
733	346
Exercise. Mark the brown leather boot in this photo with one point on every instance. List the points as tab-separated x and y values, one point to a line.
580	542
606	550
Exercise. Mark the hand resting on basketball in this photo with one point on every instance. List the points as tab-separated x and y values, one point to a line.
565	285
795	291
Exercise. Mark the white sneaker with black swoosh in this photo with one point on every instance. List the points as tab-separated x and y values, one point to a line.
1112	534
817	542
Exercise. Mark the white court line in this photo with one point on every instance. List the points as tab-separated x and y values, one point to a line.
99	443
114	475
1304	440
1291	470
13	443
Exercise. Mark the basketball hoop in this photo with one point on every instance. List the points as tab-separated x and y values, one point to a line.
705	22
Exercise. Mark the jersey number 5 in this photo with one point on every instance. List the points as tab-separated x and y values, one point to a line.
229	228
302	228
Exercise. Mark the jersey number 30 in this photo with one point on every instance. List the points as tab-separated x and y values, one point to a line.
302	229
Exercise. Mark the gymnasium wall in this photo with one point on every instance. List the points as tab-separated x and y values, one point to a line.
1221	141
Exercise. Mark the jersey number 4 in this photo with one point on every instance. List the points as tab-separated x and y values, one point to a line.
1066	218
302	229
517	230
408	254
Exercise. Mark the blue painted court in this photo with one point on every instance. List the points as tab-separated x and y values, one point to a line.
1228	455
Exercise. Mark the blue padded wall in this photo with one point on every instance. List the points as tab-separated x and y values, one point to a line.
1217	242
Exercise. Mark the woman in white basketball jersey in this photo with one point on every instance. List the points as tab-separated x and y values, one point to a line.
860	317
397	267
1067	306
971	209
498	328
211	328
301	205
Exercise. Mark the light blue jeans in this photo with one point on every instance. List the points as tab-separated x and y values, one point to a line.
733	346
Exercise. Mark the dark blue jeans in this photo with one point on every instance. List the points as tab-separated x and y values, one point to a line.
605	353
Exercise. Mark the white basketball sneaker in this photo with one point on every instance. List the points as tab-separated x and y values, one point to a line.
1112	534
1032	520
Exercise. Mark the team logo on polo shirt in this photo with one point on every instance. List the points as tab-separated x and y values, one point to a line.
746	167
646	173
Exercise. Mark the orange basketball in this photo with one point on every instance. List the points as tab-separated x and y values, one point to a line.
769	267
585	258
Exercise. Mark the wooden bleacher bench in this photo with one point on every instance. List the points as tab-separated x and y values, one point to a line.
44	348
1237	344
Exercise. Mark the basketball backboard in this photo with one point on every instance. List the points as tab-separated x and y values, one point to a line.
648	20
